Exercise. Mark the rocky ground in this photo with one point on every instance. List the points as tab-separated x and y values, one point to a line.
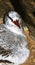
27	11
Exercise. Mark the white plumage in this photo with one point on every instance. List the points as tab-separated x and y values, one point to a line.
13	43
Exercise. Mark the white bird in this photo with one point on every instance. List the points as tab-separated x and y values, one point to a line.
13	42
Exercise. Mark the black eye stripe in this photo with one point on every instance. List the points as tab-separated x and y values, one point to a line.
9	17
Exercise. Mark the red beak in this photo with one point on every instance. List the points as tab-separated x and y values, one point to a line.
16	23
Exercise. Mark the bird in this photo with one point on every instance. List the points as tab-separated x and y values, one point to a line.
13	41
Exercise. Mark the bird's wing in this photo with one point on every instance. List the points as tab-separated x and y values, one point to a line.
3	43
11	46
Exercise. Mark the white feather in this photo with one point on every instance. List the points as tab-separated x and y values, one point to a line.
22	53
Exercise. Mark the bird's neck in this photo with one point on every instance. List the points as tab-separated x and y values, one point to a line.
13	28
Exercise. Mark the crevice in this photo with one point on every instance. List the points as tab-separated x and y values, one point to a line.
33	14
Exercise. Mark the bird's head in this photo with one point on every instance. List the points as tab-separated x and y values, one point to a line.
12	18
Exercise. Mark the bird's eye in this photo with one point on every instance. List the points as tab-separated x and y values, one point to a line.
10	18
